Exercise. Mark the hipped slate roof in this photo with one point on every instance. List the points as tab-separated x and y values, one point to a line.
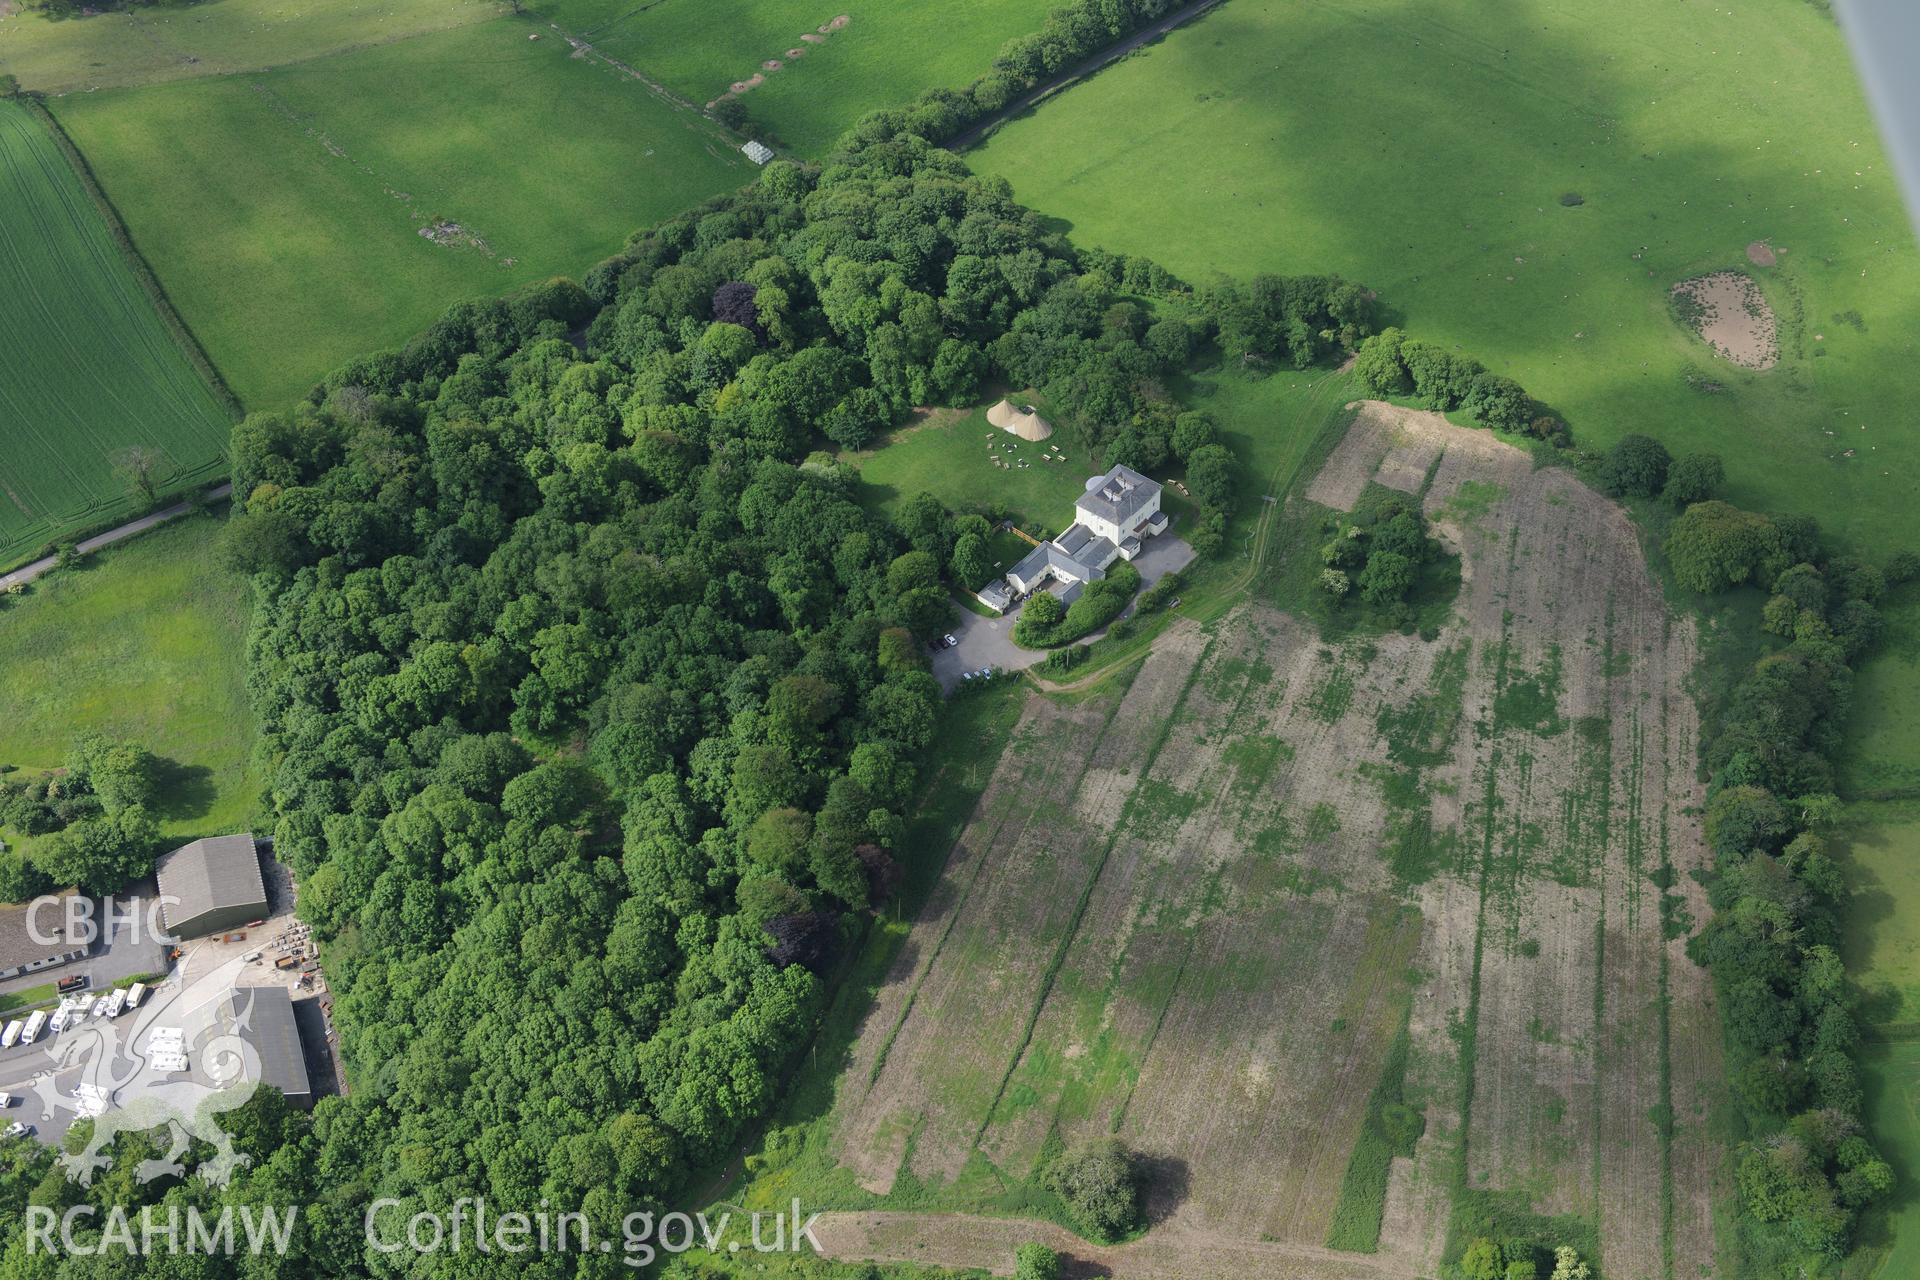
1117	495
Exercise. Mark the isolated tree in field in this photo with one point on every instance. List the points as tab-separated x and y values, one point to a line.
1192	432
1210	472
1035	1262
1694	477
121	774
141	468
1636	466
1101	1185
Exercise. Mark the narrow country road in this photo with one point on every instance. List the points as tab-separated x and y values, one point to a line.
28	572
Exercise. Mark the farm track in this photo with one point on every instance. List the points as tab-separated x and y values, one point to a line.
1551	740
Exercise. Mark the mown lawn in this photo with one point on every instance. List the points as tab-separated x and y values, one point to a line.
144	642
86	367
950	456
282	210
888	51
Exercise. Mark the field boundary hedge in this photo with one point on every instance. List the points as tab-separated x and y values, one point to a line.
170	319
978	132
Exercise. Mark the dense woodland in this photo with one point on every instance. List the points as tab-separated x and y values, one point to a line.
1807	1168
592	701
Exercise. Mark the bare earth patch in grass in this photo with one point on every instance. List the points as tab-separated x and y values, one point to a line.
1727	309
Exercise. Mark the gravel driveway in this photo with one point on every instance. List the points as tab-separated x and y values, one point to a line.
988	642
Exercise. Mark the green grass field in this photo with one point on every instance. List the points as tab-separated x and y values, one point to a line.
1401	144
948	455
155	43
86	367
1882	754
1892	1078
283	209
143	642
1883	944
886	54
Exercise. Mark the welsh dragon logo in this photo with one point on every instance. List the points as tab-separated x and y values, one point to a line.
132	1078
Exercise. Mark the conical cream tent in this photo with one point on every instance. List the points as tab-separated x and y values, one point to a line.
1020	421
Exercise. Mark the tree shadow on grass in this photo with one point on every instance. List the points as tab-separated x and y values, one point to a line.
1165	1185
185	791
1877	1227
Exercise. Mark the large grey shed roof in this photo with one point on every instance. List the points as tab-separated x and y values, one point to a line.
218	873
1117	495
263	1016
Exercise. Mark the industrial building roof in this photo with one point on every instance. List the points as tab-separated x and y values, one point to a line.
222	871
263	1016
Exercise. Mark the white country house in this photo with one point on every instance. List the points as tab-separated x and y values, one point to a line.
1117	511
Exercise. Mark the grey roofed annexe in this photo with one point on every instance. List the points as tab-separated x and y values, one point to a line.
210	885
264	1017
1051	555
